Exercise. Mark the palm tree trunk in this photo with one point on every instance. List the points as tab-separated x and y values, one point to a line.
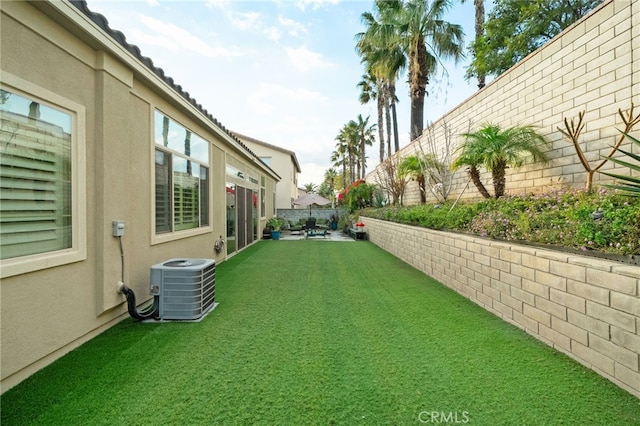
363	158
423	189
380	122
394	118
417	113
499	181
474	174
387	116
479	6
418	80
352	169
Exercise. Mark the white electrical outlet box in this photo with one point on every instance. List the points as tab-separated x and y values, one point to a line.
118	228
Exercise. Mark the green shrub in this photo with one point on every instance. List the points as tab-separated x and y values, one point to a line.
563	218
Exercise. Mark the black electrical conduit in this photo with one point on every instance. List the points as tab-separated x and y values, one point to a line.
149	312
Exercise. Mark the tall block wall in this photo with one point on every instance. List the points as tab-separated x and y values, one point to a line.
593	66
584	307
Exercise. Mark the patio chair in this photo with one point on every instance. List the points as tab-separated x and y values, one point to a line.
295	227
310	224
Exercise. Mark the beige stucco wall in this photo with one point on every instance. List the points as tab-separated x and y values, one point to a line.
55	49
585	307
282	163
286	189
593	66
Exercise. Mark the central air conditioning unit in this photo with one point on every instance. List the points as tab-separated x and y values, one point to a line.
186	288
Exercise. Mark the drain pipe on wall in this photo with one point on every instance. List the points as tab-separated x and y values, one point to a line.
150	312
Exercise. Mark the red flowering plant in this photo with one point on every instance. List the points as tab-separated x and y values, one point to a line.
357	195
343	194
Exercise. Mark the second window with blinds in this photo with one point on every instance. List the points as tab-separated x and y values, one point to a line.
181	177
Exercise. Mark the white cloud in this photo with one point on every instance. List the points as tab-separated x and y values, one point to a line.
285	25
293	28
244	21
152	3
305	60
268	97
314	4
273	33
221	4
312	173
174	38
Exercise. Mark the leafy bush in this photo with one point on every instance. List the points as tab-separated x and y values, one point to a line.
569	218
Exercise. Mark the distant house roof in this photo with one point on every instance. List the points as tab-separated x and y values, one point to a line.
274	147
120	38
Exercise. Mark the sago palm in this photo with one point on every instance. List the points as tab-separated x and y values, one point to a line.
413	168
496	150
470	156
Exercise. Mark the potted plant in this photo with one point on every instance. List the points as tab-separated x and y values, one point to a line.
275	224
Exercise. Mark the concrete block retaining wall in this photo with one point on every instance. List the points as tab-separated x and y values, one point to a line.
584	307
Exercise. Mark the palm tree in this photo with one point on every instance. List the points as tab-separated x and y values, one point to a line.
348	148
426	39
369	89
338	159
330	179
364	137
471	157
310	188
330	176
413	168
498	149
479	30
384	60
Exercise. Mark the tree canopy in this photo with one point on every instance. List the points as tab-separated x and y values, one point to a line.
515	28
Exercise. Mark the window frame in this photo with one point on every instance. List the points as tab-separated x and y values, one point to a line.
263	197
78	250
172	235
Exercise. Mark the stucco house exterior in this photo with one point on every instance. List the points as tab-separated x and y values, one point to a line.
92	132
284	162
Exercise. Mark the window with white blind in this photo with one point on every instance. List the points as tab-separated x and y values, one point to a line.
181	177
41	213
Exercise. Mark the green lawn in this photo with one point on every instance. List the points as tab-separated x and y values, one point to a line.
316	332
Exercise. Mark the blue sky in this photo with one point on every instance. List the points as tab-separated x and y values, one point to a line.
282	71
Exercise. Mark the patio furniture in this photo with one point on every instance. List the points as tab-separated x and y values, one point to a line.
310	224
358	233
316	233
295	227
